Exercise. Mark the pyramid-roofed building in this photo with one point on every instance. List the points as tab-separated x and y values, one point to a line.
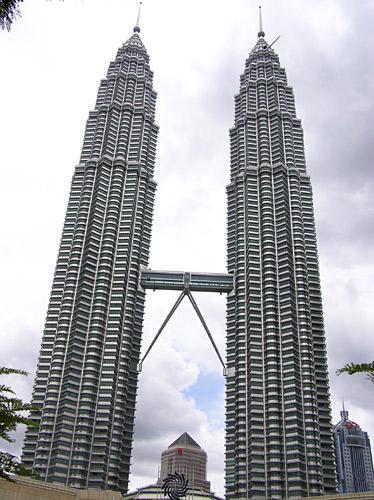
185	440
183	463
186	457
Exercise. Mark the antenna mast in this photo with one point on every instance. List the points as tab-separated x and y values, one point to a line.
261	32
137	27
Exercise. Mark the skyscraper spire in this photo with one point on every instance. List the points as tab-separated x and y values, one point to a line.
344	413
137	27
261	32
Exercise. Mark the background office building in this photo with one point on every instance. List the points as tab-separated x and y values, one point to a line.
353	457
186	458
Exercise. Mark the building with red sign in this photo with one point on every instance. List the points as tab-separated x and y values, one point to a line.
353	456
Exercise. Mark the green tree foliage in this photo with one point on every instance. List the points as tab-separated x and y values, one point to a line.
352	368
11	407
9	11
9	465
11	414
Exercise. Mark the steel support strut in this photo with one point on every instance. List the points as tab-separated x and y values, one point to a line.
197	310
166	320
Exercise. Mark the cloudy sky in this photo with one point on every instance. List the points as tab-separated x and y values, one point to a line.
51	65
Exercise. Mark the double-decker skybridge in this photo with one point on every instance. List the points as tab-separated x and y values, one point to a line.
185	282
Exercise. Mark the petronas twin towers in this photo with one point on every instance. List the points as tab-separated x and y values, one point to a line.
278	414
86	379
278	427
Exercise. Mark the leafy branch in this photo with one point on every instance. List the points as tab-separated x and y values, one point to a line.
11	414
10	465
352	368
9	11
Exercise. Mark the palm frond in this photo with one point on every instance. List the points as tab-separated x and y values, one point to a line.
352	368
11	371
9	11
5	388
12	409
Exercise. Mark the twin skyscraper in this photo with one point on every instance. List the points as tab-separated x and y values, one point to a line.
278	423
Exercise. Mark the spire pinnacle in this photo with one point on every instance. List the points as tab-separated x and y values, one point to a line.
137	27
344	413
261	32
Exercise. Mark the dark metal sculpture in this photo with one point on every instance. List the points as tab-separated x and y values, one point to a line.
175	486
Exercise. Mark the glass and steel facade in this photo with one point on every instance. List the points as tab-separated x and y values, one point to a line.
278	420
86	381
353	457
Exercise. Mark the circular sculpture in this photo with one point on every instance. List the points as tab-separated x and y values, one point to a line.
175	486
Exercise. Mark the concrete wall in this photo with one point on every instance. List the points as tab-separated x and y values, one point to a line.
348	496
31	489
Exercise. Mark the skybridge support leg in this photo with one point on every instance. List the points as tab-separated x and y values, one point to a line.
197	310
200	316
172	311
